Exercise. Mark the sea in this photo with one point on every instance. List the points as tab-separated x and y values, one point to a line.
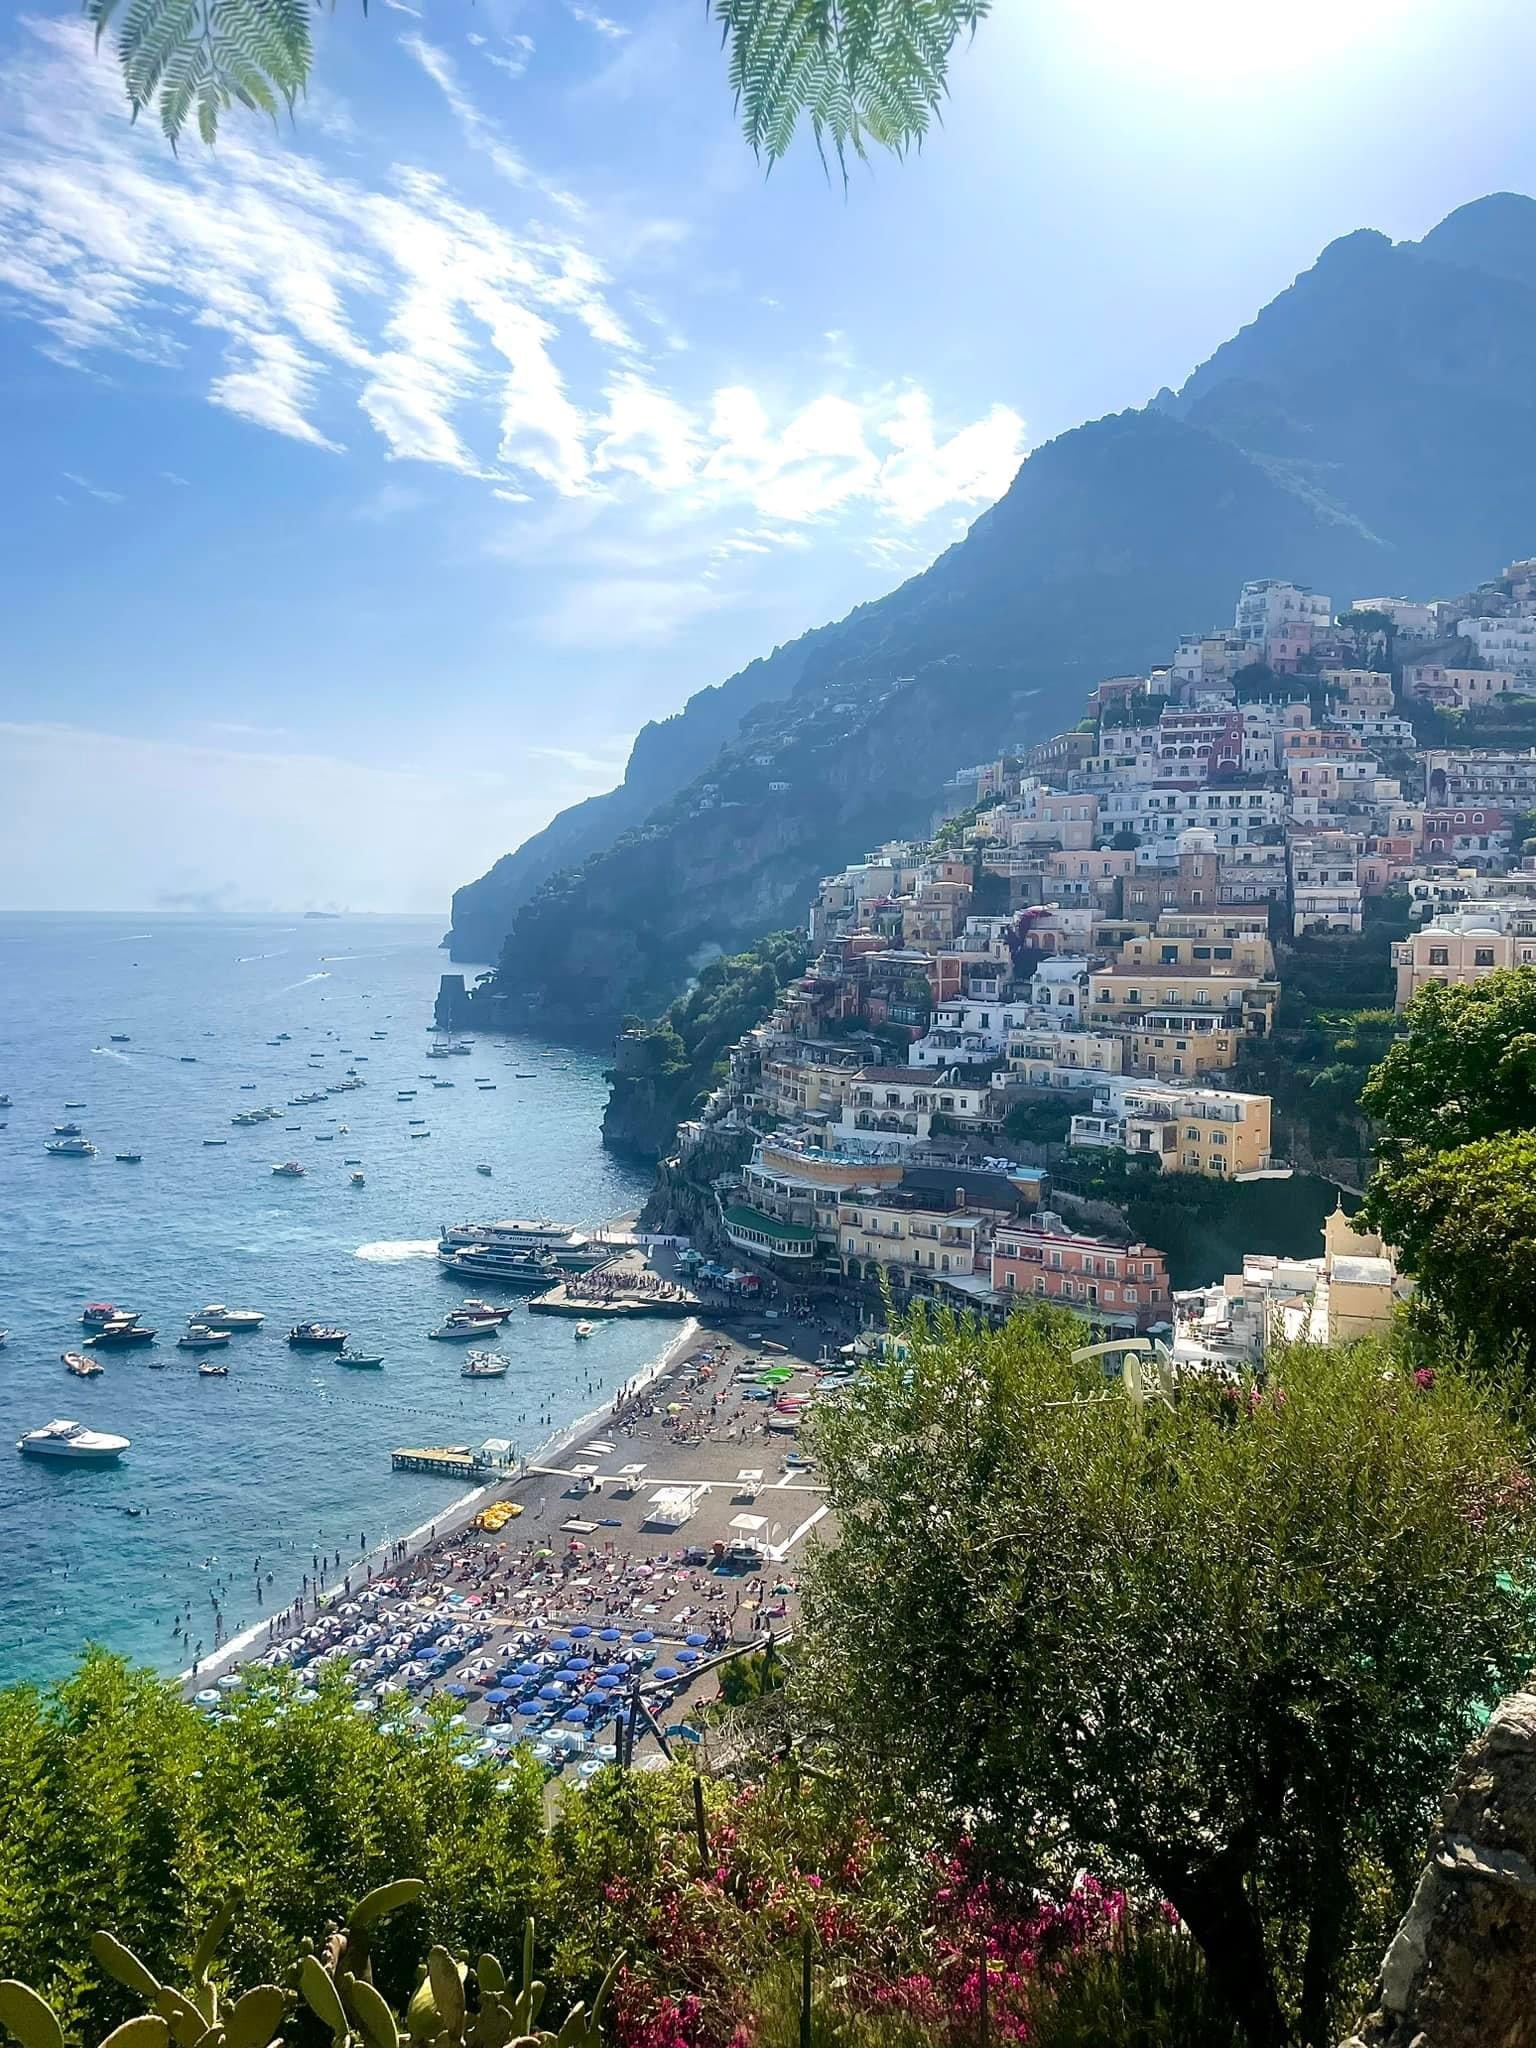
151	1033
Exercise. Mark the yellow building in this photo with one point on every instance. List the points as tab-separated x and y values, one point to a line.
910	1244
1119	996
1172	1046
1217	1132
1465	945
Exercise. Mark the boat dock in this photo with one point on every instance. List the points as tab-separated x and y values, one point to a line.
457	1461
623	1288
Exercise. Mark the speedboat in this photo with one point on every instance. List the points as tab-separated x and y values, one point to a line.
74	1105
450	1331
289	1170
84	1368
361	1359
483	1365
317	1337
66	1130
74	1147
217	1317
474	1309
123	1332
357	1180
421	1134
95	1313
208	1371
200	1338
74	1441
585	1329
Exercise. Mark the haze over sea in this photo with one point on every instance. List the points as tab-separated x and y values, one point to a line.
290	1453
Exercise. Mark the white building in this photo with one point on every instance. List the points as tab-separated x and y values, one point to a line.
1325	885
1271	609
1502	643
1237	817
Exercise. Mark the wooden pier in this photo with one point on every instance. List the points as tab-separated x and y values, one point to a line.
446	1461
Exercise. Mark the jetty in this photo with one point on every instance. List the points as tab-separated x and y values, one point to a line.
623	1288
495	1459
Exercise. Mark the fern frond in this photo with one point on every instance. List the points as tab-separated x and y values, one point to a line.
181	55
855	69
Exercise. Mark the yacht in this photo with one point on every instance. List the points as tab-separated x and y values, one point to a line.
72	1147
317	1337
217	1317
483	1365
289	1170
473	1309
126	1330
200	1338
84	1368
362	1360
463	1330
95	1313
72	1440
208	1371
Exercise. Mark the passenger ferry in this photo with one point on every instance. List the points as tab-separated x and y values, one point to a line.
490	1262
571	1249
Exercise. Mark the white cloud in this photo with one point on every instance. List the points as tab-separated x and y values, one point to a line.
93	490
601	24
491	350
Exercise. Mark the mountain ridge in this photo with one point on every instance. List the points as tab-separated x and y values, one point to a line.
1372	427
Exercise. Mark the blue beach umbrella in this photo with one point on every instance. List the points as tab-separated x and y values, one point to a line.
609	1635
697	1642
683	1657
645	1635
498	1696
559	1642
581	1631
608	1679
528	1708
552	1691
529	1668
665	1671
575	1714
578	1663
457	1692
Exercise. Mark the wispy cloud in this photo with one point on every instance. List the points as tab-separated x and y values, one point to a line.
478	130
601	24
99	491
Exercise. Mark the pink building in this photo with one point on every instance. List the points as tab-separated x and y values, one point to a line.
1120	1282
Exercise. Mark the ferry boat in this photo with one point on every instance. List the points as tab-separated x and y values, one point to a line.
568	1246
124	1331
72	1146
483	1365
209	1371
317	1337
72	1440
217	1317
289	1170
84	1368
490	1262
200	1338
362	1360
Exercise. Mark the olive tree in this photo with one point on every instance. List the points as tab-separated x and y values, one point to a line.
1224	1646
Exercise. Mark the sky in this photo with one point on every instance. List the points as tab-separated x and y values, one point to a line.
368	484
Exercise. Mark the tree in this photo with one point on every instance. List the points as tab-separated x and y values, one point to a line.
1228	1647
859	71
1465	1067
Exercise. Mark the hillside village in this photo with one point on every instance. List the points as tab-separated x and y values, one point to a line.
1078	975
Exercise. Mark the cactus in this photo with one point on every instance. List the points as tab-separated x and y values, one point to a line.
451	2008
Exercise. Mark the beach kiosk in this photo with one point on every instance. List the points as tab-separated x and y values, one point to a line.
672	1506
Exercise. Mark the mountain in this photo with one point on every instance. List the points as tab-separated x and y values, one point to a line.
1371	430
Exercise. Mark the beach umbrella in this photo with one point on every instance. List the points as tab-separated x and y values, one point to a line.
559	1642
498	1696
696	1641
664	1671
457	1692
610	1635
581	1631
683	1657
529	1668
552	1692
365	1706
578	1663
574	1714
528	1708
645	1635
608	1679
209	1698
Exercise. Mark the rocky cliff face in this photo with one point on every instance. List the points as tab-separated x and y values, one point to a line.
1461	1971
1374	428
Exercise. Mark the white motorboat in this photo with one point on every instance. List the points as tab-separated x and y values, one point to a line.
217	1317
483	1365
289	1170
586	1329
72	1441
70	1148
465	1329
200	1338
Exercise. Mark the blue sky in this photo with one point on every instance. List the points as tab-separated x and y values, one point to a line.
367	486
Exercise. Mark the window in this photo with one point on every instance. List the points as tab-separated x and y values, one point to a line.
1439	956
1010	1278
1482	956
1130	1294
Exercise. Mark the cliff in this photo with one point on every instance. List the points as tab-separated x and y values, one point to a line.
1373	428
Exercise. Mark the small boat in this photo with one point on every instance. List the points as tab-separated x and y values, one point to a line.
585	1329
442	1084
72	1440
474	1311
289	1170
124	1331
120	1038
248	1087
317	1337
85	1368
484	1166
95	1313
217	1317
6	1102
66	1130
483	1365
465	1331
355	1180
325	1137
130	1158
215	1141
155	1364
200	1338
486	1087
70	1148
209	1371
189	1059
420	1134
362	1360
74	1105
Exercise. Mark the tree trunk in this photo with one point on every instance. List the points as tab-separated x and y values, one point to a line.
1332	1898
1214	1905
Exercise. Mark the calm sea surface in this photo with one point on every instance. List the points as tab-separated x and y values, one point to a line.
290	1453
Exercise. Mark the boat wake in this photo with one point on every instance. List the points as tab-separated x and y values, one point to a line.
389	1251
245	959
303	982
110	1052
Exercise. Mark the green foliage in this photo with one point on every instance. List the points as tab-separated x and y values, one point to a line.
1465	1067
1038	1121
1168	1641
859	71
203	56
1150	1989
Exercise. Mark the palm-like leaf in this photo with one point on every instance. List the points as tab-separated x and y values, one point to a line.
859	71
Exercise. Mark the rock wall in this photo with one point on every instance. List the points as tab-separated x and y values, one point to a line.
1461	1970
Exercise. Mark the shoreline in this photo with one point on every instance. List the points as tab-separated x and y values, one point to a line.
438	1529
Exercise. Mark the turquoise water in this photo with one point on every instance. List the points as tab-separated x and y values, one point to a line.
290	1454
